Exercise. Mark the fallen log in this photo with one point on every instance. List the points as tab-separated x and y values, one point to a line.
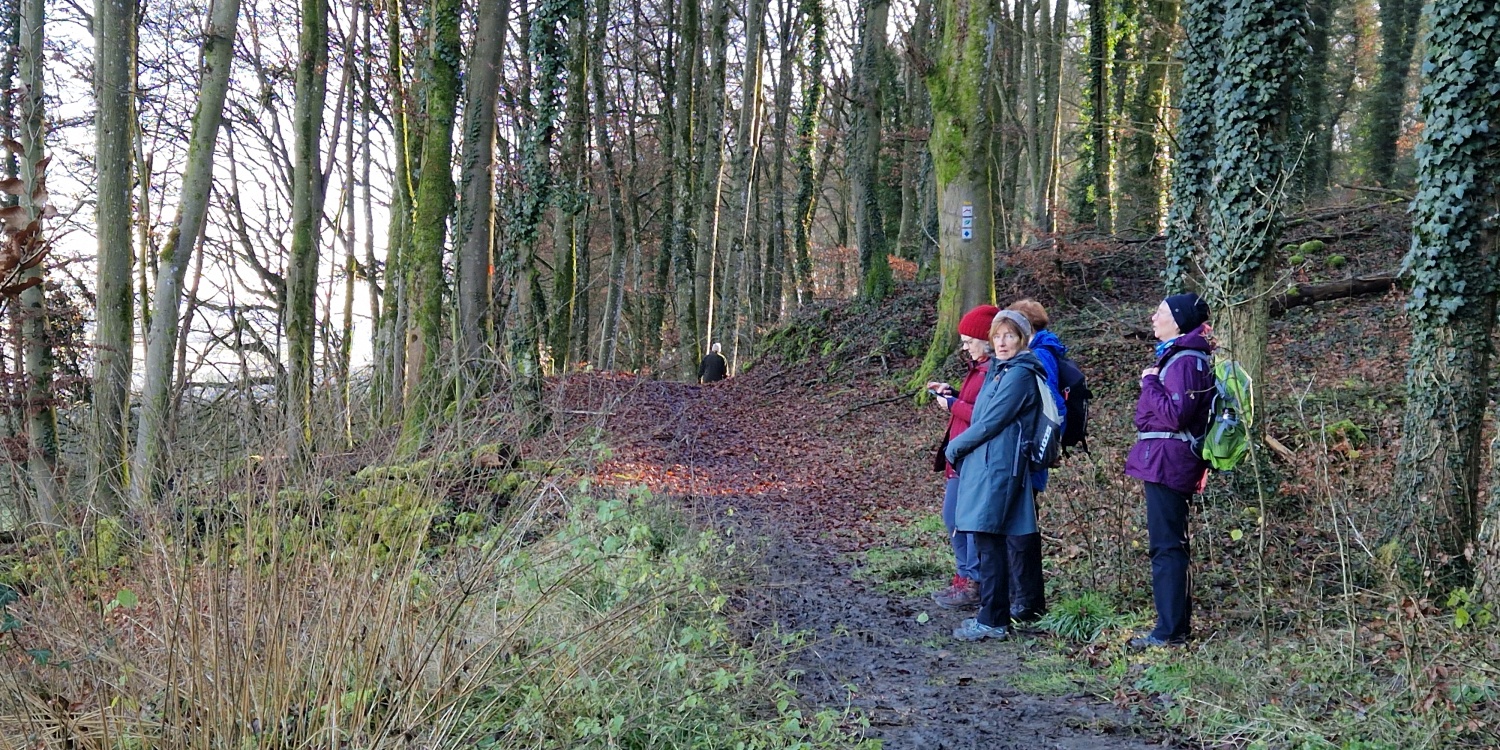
1307	294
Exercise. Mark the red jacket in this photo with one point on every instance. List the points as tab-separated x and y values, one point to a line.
962	410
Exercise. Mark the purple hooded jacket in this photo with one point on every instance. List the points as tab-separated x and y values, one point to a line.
1176	400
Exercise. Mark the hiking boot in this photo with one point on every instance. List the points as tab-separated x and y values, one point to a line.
1143	641
963	594
1021	615
972	630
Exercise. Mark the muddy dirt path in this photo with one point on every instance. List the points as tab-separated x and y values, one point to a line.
812	480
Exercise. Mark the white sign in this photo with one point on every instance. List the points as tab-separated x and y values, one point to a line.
967	210
967	234
968	221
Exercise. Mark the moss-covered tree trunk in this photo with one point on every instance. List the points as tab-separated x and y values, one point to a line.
1387	102
148	465
390	351
1260	54
1451	308
806	204
113	332
962	91
864	152
434	204
1192	158
709	263
1314	129
307	209
1093	204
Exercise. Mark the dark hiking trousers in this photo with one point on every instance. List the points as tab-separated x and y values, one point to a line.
1171	587
1028	596
994	579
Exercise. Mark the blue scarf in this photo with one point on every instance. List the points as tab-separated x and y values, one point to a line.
1163	346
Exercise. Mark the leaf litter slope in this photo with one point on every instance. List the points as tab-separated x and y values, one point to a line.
816	483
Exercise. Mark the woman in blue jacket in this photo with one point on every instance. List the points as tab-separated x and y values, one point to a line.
994	473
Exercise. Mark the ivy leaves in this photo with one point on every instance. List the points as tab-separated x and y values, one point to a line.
1458	162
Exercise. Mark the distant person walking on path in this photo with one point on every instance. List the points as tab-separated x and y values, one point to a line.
1171	418
714	367
974	336
1028	594
994	469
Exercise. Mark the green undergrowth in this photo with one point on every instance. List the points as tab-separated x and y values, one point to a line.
564	617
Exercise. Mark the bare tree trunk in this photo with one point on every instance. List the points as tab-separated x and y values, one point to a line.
36	330
113	335
476	214
307	193
773	280
684	254
707	261
608	341
149	458
570	198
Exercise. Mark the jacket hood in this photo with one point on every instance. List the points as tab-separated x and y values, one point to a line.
1049	341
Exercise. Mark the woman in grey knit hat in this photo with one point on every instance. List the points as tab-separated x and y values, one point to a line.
994	496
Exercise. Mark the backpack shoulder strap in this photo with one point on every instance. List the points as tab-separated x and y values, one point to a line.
1201	356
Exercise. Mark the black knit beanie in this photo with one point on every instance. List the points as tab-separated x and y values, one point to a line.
1189	310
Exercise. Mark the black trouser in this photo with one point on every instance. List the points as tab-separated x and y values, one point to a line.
994	579
1028	596
1171	586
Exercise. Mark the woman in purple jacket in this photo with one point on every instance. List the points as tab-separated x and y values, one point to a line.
1170	418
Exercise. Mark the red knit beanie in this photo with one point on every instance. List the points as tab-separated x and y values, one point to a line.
976	323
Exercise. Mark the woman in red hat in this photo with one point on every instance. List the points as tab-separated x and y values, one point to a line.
974	333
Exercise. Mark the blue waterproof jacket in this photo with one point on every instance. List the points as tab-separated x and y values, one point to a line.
1049	348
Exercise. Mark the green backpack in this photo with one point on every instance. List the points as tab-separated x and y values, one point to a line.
1231	413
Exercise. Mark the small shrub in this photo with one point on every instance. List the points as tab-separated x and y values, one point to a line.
1081	618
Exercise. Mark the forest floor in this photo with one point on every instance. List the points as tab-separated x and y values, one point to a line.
813	488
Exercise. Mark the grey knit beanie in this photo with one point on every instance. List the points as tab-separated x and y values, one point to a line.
1022	324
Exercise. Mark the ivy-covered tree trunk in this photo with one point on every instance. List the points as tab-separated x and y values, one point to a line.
806	204
1452	265
474	230
1143	176
961	86
1260	46
549	49
114	334
149	458
36	326
1193	159
864	153
570	200
1387	101
307	209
